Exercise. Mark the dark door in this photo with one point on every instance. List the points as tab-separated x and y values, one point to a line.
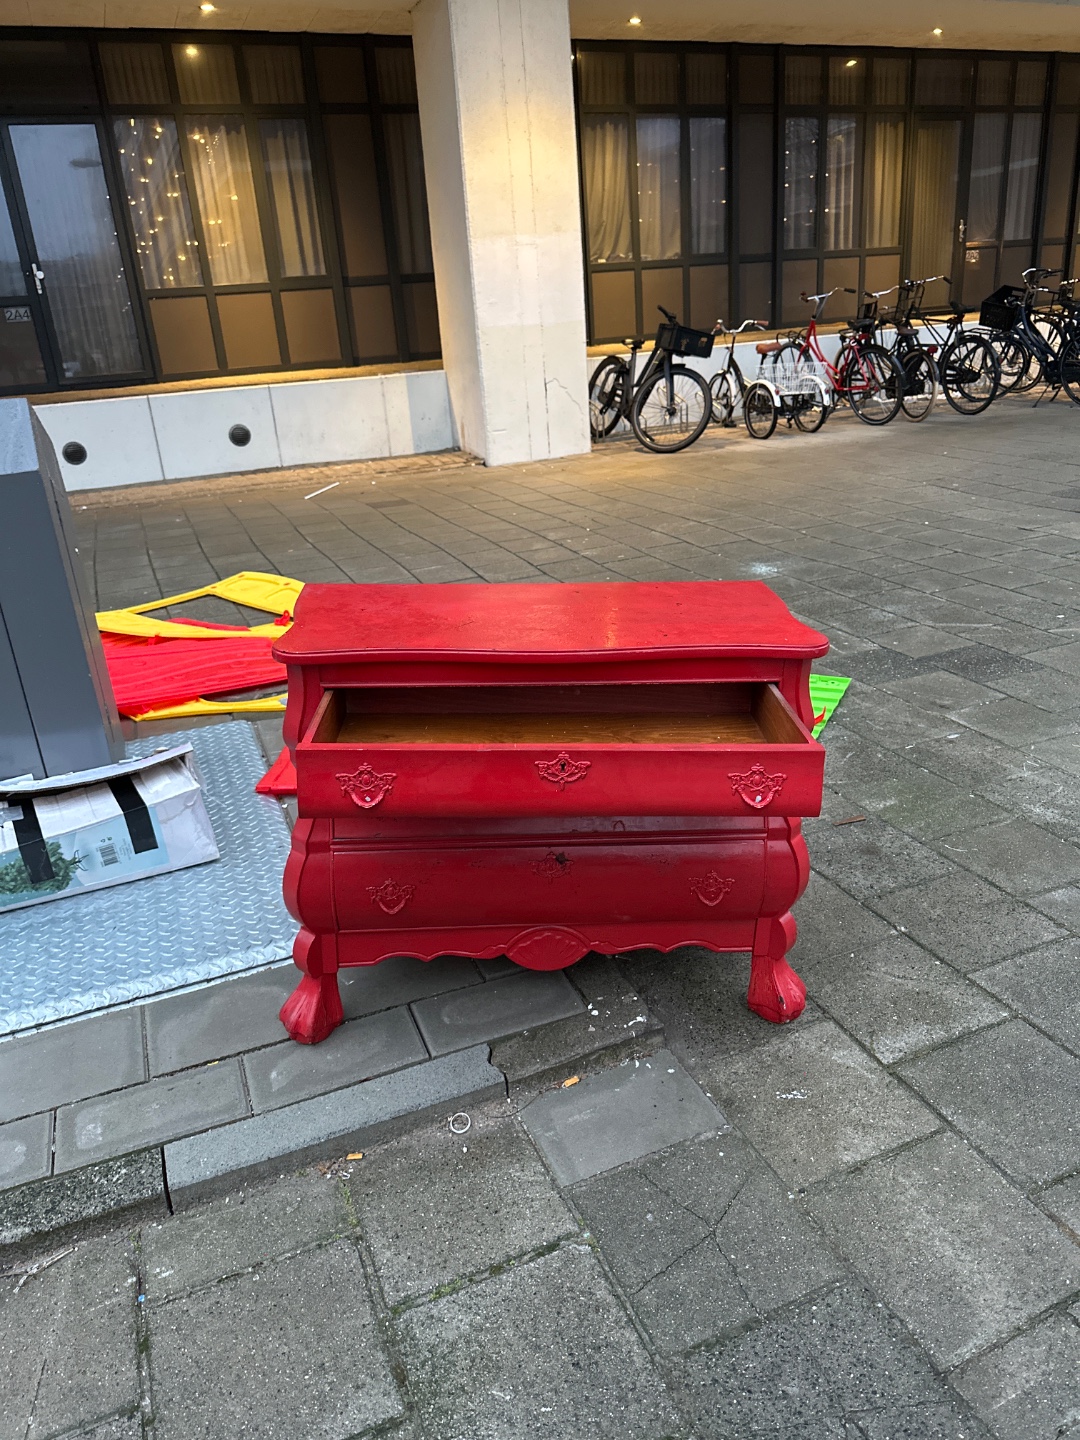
76	294
935	225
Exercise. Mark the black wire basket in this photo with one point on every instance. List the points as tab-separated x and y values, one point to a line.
999	310
681	340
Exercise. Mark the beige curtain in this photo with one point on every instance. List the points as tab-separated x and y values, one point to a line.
841	148
659	210
937	149
292	194
987	168
1023	176
708	184
221	166
149	152
405	161
800	182
884	173
605	162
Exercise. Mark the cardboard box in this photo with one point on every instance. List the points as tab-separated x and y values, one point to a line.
72	833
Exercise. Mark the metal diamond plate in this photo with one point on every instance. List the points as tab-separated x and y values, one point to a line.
79	954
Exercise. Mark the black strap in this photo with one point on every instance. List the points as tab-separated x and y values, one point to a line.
140	826
31	843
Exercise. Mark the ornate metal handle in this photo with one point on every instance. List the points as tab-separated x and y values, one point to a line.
756	787
563	770
365	787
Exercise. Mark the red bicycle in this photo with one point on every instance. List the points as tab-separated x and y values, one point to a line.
864	374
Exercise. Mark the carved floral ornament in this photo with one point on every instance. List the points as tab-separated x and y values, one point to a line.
390	896
563	770
710	889
365	787
756	786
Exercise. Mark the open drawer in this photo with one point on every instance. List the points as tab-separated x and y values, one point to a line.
648	749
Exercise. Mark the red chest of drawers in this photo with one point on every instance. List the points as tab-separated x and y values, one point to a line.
539	771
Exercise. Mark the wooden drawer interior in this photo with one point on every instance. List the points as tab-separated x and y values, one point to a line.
693	714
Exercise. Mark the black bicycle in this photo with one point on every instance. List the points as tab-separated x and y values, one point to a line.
668	406
969	368
921	376
729	384
1053	357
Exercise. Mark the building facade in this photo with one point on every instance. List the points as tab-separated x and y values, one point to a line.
489	189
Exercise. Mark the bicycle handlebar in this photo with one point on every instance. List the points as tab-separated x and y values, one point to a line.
667	315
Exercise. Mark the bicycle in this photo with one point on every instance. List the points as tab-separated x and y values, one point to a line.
667	406
969	369
865	374
796	393
921	374
1021	369
1057	365
729	385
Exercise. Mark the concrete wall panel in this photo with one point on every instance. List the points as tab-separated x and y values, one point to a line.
192	428
117	435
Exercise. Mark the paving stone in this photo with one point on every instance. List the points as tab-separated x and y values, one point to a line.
805	1372
70	1062
434	1206
919	641
952	1248
1019	856
125	1428
975	1081
896	999
217	1020
1063	751
966	921
1041	985
299	1342
641	1229
872	858
948	1421
832	923
1030	1387
619	1115
815	1103
356	1051
1062	905
918	801
941	690
366	989
67	1342
1063	1200
245	1229
1015	721
25	1150
342	1120
132	1183
541	1350
148	1114
500	1007
695	1299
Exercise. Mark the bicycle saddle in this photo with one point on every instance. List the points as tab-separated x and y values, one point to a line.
767	347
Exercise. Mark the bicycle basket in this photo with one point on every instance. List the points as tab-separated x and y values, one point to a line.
681	340
798	377
999	310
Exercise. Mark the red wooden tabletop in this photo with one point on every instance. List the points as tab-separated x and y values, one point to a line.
536	622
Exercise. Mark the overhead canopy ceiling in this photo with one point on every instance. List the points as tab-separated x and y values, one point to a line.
965	24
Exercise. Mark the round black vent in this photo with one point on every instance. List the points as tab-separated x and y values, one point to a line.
74	453
240	435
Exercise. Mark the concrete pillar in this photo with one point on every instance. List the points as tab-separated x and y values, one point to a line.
500	157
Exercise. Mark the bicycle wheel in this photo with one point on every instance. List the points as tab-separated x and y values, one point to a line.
606	390
920	384
759	410
668	415
811	409
1015	361
969	374
1069	372
872	382
1051	328
725	395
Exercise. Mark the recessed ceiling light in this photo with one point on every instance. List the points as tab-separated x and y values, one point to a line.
207	8
937	30
191	51
634	20
851	63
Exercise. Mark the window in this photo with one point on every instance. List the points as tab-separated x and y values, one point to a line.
884	176
708	185
659	212
225	191
800	183
1023	176
987	168
292	195
168	251
841	156
605	158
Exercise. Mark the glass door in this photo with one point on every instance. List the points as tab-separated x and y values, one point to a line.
935	226
75	272
21	364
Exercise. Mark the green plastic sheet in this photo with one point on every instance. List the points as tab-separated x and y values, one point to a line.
826	692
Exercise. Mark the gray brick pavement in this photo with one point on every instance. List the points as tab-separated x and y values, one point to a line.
885	1244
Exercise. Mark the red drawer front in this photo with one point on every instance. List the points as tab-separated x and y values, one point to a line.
562	884
508	780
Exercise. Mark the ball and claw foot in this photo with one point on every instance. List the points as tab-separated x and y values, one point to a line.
313	1010
776	993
